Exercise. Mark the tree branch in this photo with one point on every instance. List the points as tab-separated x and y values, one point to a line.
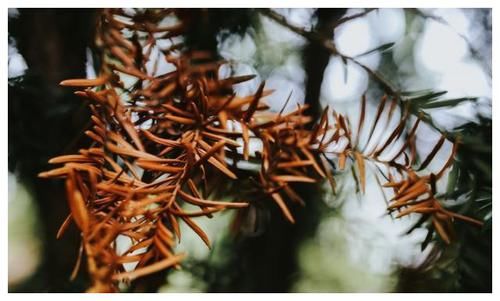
328	44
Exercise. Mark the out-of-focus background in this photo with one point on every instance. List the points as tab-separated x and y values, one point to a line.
340	243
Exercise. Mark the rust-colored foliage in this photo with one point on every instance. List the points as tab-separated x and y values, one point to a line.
167	140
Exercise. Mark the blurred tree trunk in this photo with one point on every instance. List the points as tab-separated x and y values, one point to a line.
53	43
316	57
268	263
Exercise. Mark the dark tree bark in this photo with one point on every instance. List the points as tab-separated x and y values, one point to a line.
46	120
316	57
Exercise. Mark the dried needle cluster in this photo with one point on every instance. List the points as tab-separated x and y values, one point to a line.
162	141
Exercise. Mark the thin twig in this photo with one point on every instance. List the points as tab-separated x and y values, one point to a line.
328	44
352	17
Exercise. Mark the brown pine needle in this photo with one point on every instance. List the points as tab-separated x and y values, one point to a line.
342	159
360	160
440	230
289	178
433	153
159	167
179	119
77	205
220	166
254	104
292	164
246	141
200	202
84	82
281	203
78	262
150	269
64	226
